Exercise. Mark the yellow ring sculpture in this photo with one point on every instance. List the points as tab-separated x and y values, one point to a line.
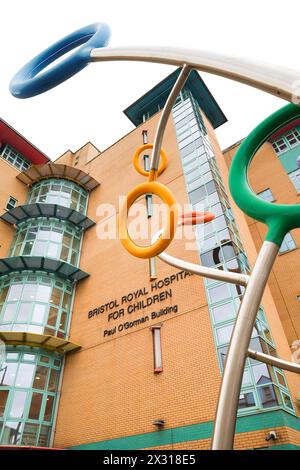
150	187
143	172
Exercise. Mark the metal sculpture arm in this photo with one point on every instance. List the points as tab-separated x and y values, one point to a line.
274	361
273	79
211	273
164	119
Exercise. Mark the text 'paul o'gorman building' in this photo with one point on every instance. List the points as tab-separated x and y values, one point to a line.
97	356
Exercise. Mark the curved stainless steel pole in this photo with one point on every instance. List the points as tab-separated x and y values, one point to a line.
273	79
165	116
274	361
228	401
212	273
162	127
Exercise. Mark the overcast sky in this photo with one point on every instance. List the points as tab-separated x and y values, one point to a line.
89	106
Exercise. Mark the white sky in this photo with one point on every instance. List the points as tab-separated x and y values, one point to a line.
89	106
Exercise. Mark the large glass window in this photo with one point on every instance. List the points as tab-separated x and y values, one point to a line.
61	192
28	387
15	158
35	303
49	238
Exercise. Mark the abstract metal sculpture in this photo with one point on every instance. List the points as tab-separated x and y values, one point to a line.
280	219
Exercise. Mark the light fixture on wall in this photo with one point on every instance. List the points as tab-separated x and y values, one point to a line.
271	436
159	423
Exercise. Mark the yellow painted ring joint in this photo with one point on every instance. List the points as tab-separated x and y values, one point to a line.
169	231
143	172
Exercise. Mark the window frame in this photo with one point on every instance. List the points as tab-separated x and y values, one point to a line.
58	303
29	238
15	158
283	141
11	203
157	349
39	422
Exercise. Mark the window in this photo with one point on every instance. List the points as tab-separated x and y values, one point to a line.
11	203
15	158
197	195
212	257
145	137
152	269
61	192
34	303
293	137
149	205
146	116
157	354
17	407
219	293
27	404
51	239
146	163
224	334
266	195
224	312
269	396
287	401
295	178
286	141
279	146
288	244
246	400
3	400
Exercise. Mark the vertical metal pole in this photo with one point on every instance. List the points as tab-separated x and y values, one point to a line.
183	76
228	401
159	138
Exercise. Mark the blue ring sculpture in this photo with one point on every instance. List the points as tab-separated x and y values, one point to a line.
27	83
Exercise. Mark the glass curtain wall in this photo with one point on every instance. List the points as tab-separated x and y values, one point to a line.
220	246
59	191
35	303
49	238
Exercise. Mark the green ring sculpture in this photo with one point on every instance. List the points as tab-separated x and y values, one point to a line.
279	218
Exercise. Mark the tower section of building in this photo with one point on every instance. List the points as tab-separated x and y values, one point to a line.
220	246
37	284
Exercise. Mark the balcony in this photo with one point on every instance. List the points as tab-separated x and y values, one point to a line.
30	211
40	263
